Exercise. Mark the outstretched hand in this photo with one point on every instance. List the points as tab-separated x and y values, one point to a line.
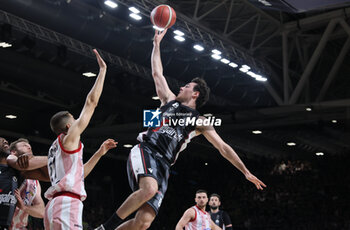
23	160
100	61
258	183
20	202
107	145
158	36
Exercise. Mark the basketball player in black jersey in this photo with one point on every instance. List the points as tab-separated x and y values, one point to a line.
220	217
8	184
149	162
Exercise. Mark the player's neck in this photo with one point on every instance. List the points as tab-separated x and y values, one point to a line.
190	104
214	210
201	208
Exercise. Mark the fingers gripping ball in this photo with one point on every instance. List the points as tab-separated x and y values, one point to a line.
163	16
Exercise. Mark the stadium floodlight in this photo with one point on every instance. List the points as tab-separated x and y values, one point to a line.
216	56
111	4
135	16
179	38
198	47
215	51
178	32
134	10
225	61
233	65
89	74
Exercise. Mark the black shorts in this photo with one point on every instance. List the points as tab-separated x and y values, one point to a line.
143	161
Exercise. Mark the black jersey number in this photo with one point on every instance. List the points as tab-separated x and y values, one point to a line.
52	166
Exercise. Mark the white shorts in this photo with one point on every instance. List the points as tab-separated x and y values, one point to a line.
64	213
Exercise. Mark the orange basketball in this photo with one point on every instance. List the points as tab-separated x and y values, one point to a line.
163	16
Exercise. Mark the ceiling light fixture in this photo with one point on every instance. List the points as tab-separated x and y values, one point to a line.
111	4
10	116
135	16
216	56
225	61
89	74
178	32
215	51
198	47
134	10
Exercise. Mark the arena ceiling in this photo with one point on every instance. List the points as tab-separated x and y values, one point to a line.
304	57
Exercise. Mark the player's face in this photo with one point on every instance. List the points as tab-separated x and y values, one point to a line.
4	144
186	92
201	199
22	148
214	202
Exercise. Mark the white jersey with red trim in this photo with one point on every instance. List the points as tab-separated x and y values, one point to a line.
28	192
201	220
66	170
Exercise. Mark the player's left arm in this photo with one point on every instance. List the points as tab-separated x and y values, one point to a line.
227	152
37	209
227	221
33	162
213	226
106	145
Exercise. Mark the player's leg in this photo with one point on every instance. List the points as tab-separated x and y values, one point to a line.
143	183
142	220
148	188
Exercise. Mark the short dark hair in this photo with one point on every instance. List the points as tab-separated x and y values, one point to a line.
58	122
203	90
216	195
201	191
13	144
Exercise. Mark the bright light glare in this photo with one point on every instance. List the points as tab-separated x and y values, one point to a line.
111	4
179	38
225	61
215	51
134	10
198	47
158	28
233	65
178	32
216	56
135	16
89	74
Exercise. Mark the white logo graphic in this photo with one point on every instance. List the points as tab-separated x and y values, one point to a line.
150	169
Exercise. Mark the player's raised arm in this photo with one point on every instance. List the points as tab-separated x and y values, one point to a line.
106	145
71	141
227	152
162	88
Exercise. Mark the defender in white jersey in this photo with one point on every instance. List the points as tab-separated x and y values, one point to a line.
65	165
148	163
196	218
29	201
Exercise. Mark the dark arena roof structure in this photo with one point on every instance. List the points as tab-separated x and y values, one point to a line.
296	89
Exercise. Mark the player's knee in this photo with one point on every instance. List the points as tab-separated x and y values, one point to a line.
150	191
142	224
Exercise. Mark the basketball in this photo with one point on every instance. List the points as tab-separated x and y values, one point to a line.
163	16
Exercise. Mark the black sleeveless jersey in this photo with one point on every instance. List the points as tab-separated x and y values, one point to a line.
221	218
8	184
176	130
